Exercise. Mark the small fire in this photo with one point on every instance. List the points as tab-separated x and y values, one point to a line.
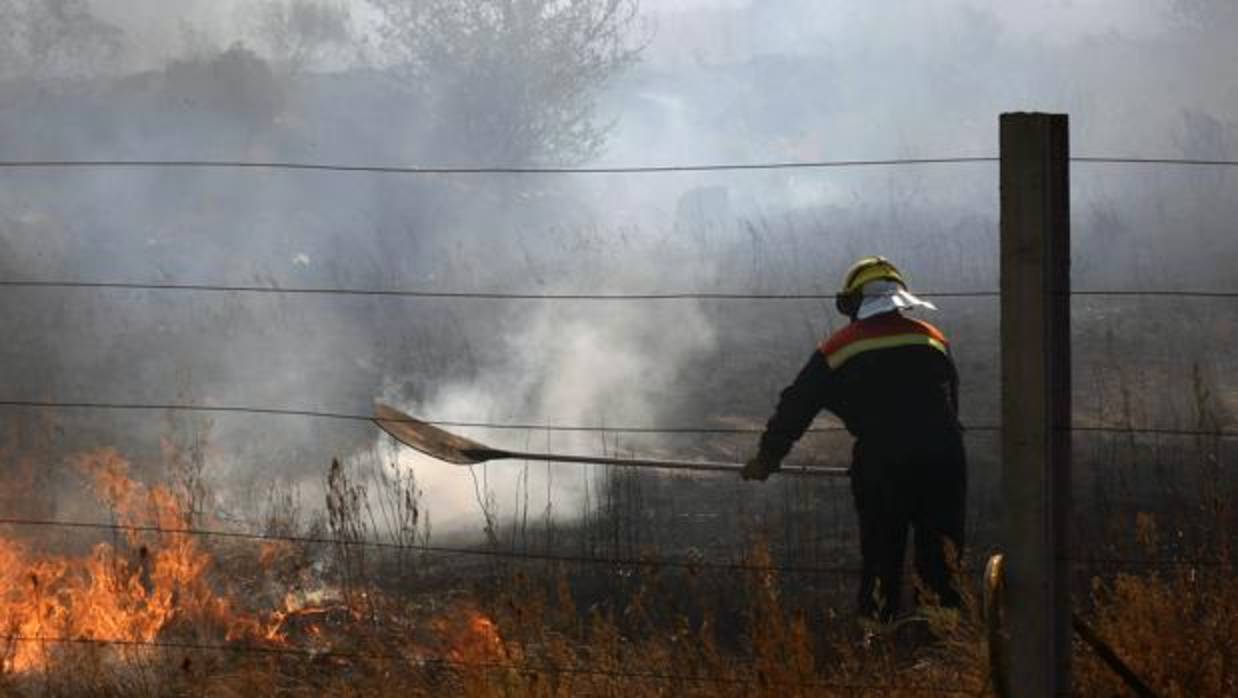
114	592
472	637
152	583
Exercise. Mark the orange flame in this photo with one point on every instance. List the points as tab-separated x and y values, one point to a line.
472	637
140	588
108	594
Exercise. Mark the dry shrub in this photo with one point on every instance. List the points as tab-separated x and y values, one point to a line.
1174	628
525	634
784	652
529	638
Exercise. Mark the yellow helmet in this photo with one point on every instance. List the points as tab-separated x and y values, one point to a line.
870	269
865	270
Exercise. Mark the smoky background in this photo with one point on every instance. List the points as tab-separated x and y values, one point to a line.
686	82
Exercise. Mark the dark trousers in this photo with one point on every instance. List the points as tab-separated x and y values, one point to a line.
903	482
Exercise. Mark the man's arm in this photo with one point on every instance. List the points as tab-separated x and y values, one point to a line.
798	405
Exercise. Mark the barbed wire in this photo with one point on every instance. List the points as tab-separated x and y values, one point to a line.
437	422
617	429
636	562
1109	160
1169	293
345	416
471	664
1145	562
363	418
289	165
468	295
482	170
648	562
565	296
1150	431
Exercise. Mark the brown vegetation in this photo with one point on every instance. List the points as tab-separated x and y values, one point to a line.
243	619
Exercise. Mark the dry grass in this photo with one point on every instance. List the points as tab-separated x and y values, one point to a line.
537	630
1176	631
542	644
1174	627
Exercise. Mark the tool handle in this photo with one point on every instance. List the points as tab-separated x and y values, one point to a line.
684	465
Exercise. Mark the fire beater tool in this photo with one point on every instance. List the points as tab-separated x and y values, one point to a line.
452	448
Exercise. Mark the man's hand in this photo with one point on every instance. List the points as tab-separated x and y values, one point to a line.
759	467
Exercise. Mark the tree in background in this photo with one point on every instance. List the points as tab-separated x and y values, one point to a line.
509	81
234	91
300	35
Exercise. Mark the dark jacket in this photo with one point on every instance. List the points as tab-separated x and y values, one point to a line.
887	377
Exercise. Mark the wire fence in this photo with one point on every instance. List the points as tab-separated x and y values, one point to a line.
485	170
515	296
628	169
646	562
469	295
347	416
1089	562
638	562
1146	563
525	668
528	426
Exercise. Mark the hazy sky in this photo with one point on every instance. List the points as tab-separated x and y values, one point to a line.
157	26
899	56
721	81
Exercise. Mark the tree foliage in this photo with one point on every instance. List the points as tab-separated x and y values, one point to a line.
301	34
510	81
236	84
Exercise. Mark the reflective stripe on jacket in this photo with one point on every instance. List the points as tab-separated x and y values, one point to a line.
880	332
888	377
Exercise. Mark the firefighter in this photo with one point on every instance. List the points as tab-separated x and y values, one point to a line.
892	382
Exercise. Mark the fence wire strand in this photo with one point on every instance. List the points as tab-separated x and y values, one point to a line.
645	562
1110	160
1147	563
636	562
465	295
353	417
566	296
288	165
618	429
484	170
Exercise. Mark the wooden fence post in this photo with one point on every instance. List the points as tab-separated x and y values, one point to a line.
1035	336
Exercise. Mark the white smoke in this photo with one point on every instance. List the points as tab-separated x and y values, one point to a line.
591	364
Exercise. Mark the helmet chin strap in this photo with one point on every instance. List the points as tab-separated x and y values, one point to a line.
849	303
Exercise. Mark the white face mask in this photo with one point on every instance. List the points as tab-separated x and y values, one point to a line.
883	295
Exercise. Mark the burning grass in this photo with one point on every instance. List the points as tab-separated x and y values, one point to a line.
130	596
151	613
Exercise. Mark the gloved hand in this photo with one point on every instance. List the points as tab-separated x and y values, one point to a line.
759	467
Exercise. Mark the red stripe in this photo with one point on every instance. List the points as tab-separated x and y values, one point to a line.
883	325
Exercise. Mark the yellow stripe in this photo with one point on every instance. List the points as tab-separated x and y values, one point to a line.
841	356
877	271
